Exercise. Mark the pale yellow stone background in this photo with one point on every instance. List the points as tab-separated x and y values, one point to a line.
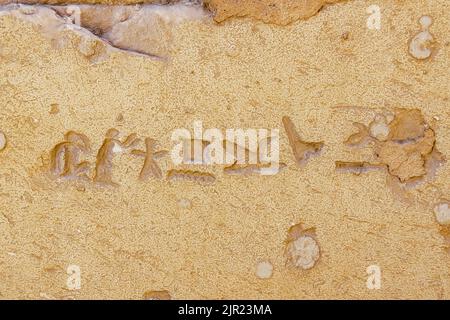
239	74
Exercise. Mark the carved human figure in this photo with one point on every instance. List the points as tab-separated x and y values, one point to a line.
65	157
151	167
111	145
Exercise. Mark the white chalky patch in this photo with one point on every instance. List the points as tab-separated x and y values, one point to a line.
264	270
442	212
379	129
117	148
419	45
2	141
185	203
425	22
305	252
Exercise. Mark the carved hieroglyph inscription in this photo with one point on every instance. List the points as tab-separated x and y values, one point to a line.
66	163
65	156
190	175
404	144
150	155
157	295
110	146
302	150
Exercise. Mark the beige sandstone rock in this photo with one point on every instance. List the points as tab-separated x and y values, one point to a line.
92	204
278	12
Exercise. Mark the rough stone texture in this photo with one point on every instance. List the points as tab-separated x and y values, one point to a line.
134	241
280	12
144	29
106	2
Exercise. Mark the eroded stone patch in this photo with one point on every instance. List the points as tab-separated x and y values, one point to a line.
410	147
105	2
54	27
405	144
302	248
281	12
145	30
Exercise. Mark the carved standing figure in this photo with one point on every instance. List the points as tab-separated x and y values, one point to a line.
111	145
65	157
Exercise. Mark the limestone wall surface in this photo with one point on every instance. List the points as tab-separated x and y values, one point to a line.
94	206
